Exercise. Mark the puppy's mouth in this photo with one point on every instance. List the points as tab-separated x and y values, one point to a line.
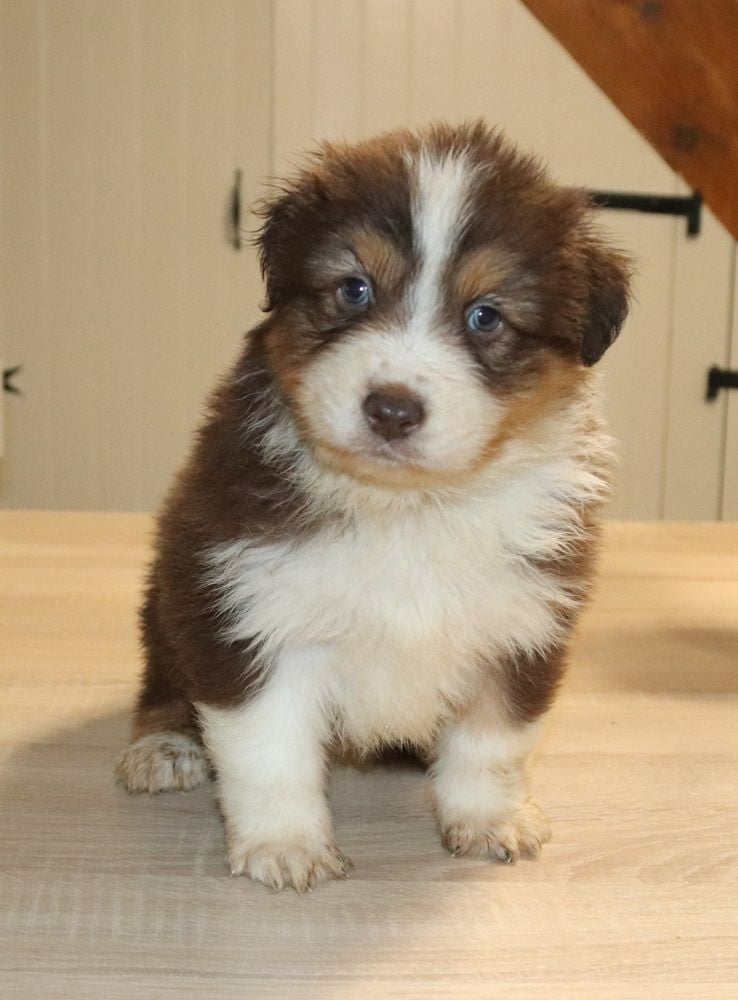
396	453
369	451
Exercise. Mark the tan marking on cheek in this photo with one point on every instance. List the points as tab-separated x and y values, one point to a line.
558	383
286	360
396	477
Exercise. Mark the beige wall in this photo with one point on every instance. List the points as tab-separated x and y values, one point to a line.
123	124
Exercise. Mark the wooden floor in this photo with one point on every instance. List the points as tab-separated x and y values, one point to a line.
106	896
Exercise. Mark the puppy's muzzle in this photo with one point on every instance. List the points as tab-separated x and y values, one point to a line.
393	413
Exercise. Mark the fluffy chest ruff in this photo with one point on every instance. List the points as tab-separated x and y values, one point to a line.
410	604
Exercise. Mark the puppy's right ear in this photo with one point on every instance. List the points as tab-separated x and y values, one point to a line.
290	218
272	241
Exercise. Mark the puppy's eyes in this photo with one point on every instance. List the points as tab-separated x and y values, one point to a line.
483	318
355	293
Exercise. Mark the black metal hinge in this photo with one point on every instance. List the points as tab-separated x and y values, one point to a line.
8	376
689	206
720	378
234	212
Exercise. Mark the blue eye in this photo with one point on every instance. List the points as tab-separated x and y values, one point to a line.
355	293
483	319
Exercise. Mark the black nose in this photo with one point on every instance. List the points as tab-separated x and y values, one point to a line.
393	414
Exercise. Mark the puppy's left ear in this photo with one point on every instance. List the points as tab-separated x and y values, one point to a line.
608	293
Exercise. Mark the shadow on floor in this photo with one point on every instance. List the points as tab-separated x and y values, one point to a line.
671	660
95	878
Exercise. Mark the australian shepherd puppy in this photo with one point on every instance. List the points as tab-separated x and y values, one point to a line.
386	529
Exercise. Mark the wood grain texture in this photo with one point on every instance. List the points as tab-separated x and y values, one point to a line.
106	895
671	68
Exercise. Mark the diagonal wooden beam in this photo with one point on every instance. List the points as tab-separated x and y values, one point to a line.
671	67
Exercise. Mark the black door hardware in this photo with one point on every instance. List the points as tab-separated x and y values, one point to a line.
235	212
720	378
690	206
8	376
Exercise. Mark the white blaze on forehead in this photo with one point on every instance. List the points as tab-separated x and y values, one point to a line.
441	206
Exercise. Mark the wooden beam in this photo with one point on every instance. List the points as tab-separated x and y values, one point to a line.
671	67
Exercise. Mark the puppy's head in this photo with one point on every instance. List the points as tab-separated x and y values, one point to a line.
429	295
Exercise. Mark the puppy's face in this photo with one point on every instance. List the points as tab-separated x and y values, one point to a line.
430	295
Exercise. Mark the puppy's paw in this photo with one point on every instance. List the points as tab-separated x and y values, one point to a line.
281	865
504	839
161	762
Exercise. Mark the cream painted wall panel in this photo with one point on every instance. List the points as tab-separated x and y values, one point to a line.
701	318
338	71
253	140
23	299
218	38
107	382
526	57
385	90
127	121
433	56
65	143
730	472
636	370
166	410
293	82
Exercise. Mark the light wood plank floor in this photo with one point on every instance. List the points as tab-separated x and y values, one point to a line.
106	896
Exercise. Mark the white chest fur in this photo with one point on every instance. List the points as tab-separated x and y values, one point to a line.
406	607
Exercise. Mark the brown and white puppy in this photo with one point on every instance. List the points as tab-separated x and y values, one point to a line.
385	531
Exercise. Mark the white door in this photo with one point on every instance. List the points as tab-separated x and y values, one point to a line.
123	123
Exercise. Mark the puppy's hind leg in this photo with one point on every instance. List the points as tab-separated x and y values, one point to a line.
166	752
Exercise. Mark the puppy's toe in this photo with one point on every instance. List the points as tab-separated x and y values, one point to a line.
162	762
281	866
503	839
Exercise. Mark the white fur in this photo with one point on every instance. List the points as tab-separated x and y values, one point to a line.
479	770
479	783
441	207
269	757
411	592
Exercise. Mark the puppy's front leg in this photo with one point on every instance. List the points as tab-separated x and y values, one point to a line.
480	783
269	755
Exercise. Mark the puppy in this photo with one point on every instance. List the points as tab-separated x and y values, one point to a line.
386	530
